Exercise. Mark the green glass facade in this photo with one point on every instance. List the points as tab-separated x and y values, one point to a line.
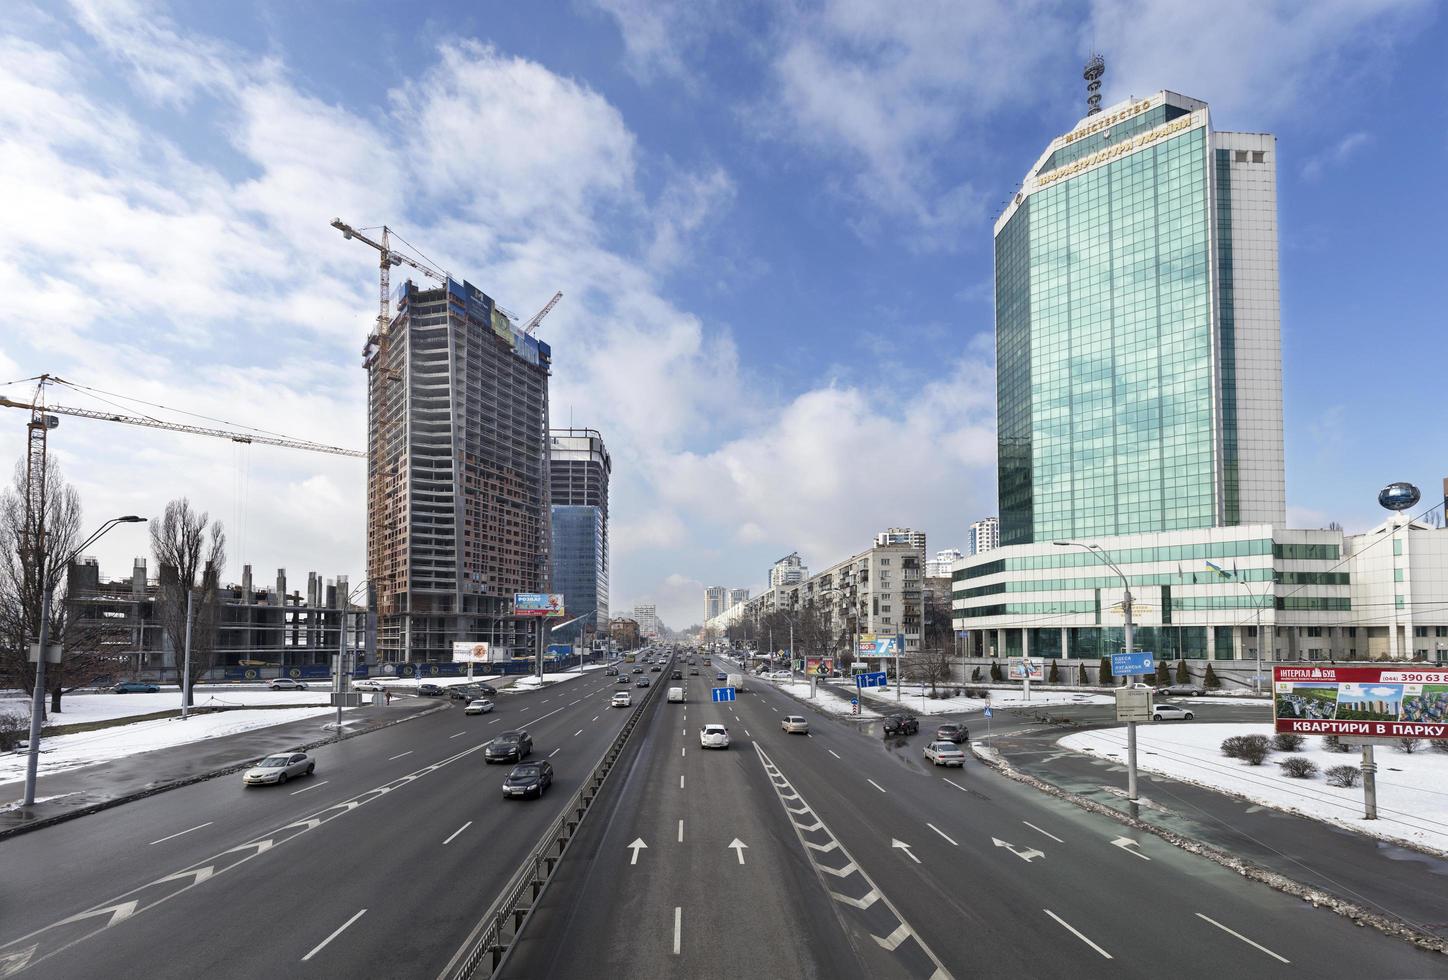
1106	397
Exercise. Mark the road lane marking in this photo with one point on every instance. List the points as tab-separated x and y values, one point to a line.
187	831
321	945
636	846
1125	844
401	754
1244	939
834	753
906	848
1075	932
525	709
774	709
686	731
458	831
495	721
681	831
681	782
746	733
941	833
956	785
578	733
683	750
312	787
875	784
595	717
554	752
678	927
1040	831
458	735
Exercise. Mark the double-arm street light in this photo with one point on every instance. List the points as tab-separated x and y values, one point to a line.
37	701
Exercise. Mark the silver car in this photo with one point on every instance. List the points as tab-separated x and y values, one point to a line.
481	706
795	724
279	768
945	754
287	684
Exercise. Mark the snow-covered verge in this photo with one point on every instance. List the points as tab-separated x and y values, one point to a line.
63	753
85	707
823	700
913	701
1412	802
406	685
532	682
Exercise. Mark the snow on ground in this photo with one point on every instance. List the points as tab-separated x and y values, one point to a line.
400	685
532	682
62	753
823	701
913	701
84	706
1412	789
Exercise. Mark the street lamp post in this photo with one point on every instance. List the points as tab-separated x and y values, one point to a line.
37	701
1127	630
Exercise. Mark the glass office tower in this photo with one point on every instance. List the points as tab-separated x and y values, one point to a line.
1137	330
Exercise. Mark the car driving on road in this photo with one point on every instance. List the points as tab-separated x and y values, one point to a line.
366	685
622	700
480	706
945	754
529	779
901	725
1164	711
277	769
286	684
135	687
508	747
795	724
714	737
1182	691
952	733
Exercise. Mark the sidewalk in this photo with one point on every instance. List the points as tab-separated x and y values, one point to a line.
1396	881
80	791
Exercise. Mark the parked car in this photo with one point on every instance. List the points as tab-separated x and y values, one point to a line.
795	724
622	700
1164	711
945	754
286	684
529	779
135	687
508	747
901	725
277	769
366	685
952	733
714	737
487	689
463	692
430	690
1182	691
480	706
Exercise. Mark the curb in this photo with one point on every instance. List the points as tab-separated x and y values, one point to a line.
1319	899
86	811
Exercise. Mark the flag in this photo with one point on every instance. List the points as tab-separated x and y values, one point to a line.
1221	571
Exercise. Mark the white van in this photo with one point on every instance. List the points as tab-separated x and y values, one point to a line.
676	694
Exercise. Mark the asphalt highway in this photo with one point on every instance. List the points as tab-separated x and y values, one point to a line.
863	860
376	866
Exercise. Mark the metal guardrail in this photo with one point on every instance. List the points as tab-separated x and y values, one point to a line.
501	925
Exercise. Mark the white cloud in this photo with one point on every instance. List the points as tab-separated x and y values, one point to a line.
662	37
1338	153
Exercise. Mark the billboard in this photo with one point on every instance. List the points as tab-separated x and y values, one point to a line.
819	666
1377	702
548	604
880	645
1024	668
467	652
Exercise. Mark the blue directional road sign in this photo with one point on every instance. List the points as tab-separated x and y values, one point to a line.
876	679
1127	664
723	693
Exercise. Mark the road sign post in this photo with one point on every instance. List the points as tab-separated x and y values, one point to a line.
1130	664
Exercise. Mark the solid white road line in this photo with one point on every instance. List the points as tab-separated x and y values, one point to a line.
318	948
1244	939
458	831
1075	932
401	754
834	753
1040	831
312	787
554	752
681	831
678	927
875	784
941	833
458	735
186	831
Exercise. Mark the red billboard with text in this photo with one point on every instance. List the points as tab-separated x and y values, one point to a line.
1380	702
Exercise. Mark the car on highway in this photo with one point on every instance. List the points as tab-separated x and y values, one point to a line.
622	699
463	692
1164	711
610	671
277	769
624	679
479	706
714	737
901	725
795	724
135	687
367	685
655	669
677	675
693	671
780	675
508	747
529	779
638	670
642	682
952	733
1182	691
945	754
430	690
721	676
286	684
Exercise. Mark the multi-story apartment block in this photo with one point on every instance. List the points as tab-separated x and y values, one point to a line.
985	535
716	600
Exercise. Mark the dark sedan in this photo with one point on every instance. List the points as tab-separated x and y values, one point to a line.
901	725
643	682
508	747
431	690
529	779
952	733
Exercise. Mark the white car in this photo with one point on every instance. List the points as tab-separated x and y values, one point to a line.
1162	711
779	675
945	754
714	737
795	724
480	706
287	684
366	685
278	769
622	700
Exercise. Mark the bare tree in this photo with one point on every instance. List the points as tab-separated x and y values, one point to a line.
929	666
190	551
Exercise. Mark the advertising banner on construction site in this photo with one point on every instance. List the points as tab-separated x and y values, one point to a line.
1403	701
548	604
469	653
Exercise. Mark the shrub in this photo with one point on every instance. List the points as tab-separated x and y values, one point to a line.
1298	767
975	675
1345	776
12	731
1103	674
1211	682
1287	741
1232	747
1251	749
1054	676
1084	678
1332	743
1410	745
1183	675
1163	673
995	672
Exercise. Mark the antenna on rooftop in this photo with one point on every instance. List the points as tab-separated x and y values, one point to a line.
1095	68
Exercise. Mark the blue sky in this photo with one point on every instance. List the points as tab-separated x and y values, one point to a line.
771	223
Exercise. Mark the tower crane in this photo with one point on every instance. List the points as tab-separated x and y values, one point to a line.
532	324
387	258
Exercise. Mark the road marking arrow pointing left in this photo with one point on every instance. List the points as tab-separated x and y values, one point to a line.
904	847
738	846
636	846
1025	855
1126	844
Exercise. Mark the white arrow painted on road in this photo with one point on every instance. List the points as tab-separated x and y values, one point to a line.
739	847
1025	855
1126	843
904	847
636	846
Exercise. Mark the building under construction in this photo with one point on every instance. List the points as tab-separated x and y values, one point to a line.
457	496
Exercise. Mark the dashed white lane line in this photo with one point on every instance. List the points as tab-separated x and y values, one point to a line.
683	750
458	831
525	709
681	831
495	721
875	784
942	833
312	787
1077	933
834	753
681	782
1040	831
554	752
578	733
595	717
1233	932
321	945
408	752
208	824
746	733
678	927
956	785
774	709
686	732
458	735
